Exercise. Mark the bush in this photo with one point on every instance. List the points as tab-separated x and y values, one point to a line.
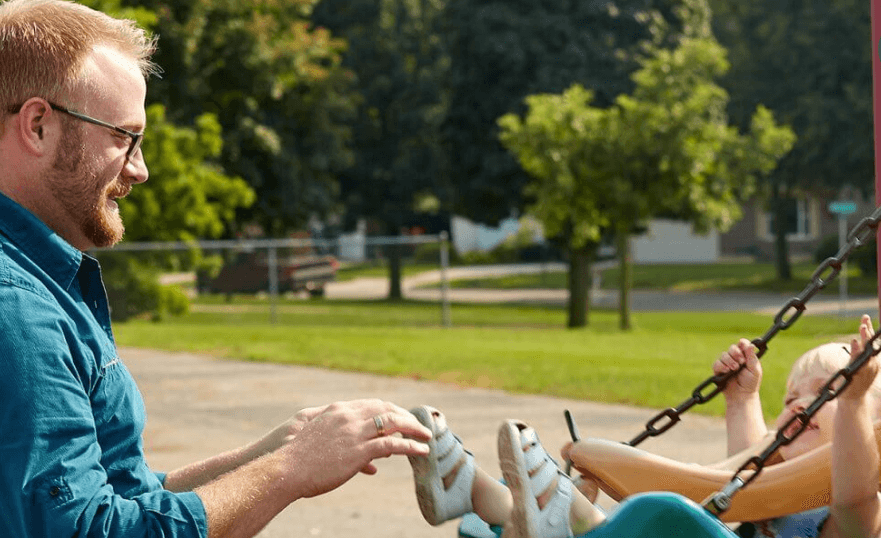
133	289
206	270
429	253
865	257
827	248
173	301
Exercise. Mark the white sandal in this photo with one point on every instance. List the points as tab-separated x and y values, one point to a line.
439	504
528	472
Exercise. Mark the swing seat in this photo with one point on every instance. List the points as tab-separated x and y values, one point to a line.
646	515
788	487
647	484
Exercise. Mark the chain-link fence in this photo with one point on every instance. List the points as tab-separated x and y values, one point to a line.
273	268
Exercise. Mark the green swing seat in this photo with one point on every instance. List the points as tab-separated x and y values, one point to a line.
645	515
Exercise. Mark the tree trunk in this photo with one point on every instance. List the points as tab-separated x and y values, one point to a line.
579	286
393	255
781	245
625	283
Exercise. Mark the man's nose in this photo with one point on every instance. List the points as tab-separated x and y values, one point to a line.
135	169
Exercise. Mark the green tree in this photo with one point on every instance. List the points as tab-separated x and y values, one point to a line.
502	51
394	53
187	197
810	62
665	150
275	84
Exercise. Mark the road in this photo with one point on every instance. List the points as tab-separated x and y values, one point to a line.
825	302
199	406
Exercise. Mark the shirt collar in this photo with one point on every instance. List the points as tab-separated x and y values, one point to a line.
58	258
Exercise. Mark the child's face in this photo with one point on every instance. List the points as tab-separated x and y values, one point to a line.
802	392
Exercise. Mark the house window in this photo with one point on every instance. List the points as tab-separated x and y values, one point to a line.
801	221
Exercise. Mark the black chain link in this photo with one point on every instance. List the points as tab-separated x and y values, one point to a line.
784	319
721	501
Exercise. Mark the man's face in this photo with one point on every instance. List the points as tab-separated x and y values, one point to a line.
90	170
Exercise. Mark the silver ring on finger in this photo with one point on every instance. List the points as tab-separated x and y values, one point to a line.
380	426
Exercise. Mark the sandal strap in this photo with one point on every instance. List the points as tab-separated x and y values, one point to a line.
449	450
541	467
555	514
532	471
437	503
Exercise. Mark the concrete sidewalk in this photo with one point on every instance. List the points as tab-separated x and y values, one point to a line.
199	406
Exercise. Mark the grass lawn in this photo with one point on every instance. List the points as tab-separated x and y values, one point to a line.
519	349
687	277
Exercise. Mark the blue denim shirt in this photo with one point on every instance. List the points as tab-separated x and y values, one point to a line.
71	418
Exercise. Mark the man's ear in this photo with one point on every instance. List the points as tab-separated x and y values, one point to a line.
33	128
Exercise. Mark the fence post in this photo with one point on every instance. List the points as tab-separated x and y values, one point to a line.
445	286
272	264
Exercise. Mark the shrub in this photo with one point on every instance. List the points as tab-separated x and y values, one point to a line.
827	248
865	257
133	289
429	253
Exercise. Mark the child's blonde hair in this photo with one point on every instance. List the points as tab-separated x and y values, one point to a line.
825	361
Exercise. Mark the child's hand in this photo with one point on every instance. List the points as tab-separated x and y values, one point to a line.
747	382
864	378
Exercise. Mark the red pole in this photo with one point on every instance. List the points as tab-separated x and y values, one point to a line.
876	101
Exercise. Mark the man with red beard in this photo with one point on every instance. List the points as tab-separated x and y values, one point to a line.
72	93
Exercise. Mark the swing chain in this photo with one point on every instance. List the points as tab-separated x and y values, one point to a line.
785	318
719	502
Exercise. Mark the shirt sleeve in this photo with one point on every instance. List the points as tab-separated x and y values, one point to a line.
53	481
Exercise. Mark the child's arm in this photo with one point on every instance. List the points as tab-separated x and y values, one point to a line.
856	506
744	420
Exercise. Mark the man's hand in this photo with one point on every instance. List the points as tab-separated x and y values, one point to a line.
331	444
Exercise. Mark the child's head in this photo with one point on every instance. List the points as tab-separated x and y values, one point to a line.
806	378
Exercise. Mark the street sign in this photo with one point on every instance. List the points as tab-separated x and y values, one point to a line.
842	208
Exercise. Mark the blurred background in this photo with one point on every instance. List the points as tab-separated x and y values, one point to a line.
304	151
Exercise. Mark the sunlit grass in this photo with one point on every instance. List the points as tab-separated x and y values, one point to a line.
519	349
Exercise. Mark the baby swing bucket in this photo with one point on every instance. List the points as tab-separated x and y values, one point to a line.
646	515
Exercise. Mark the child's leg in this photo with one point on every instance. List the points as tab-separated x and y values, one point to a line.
546	504
448	482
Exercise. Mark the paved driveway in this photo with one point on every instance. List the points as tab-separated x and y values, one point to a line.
198	406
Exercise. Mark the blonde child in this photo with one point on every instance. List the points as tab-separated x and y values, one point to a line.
846	421
538	500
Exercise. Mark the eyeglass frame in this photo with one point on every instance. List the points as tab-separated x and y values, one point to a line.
136	138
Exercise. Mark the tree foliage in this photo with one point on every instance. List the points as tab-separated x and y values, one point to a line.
810	62
502	51
275	85
665	150
396	57
188	195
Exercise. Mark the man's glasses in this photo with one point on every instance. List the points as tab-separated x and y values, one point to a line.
136	138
